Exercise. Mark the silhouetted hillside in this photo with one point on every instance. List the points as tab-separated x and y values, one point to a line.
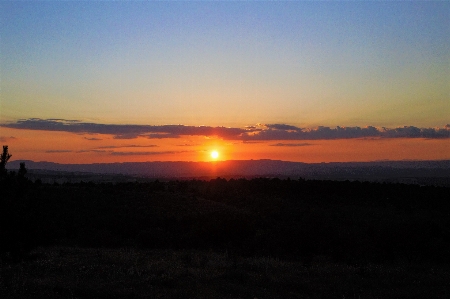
346	221
419	172
282	236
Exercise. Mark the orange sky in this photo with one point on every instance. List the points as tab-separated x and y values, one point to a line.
65	147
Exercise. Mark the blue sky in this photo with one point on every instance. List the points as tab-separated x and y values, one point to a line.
302	81
227	63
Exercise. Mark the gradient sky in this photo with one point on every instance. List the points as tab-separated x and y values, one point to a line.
275	74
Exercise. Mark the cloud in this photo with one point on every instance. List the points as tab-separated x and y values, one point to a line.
287	132
109	150
413	132
92	139
250	141
126	146
93	151
146	153
259	132
125	136
62	119
291	144
6	139
58	151
283	127
124	131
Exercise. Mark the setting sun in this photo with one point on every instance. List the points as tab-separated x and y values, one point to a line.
214	154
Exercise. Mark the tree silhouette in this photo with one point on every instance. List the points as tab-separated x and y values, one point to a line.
22	170
4	159
21	174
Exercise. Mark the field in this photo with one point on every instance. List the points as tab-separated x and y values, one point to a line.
237	238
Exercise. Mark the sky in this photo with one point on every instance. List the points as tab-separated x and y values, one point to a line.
310	81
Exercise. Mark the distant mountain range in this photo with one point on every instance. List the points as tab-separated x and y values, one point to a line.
377	170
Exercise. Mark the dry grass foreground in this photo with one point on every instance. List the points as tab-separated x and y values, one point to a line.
68	272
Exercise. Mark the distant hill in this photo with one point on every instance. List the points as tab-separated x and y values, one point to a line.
396	171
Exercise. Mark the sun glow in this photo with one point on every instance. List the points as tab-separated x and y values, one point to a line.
214	154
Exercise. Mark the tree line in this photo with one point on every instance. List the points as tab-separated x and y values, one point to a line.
300	219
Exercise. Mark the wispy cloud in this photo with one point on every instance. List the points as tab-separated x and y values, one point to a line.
251	141
94	151
109	150
259	132
188	144
92	138
58	151
147	153
291	144
6	139
160	135
126	146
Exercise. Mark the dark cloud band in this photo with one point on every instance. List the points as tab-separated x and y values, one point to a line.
251	133
287	132
124	131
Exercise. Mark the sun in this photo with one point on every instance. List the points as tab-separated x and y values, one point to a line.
214	154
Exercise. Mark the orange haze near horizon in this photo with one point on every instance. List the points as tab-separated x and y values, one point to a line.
71	148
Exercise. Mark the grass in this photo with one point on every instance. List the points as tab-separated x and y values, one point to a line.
70	272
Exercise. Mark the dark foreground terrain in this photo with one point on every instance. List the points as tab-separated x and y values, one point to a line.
259	238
